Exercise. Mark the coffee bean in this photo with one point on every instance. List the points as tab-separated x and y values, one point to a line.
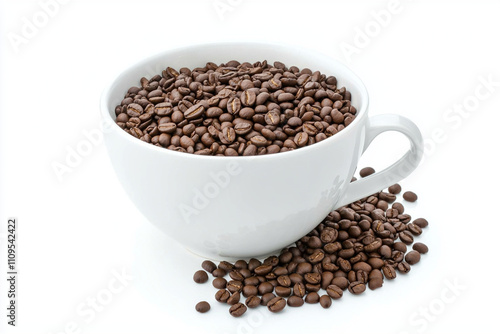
389	272
414	229
410	196
265	287
312	298
295	301
234	298
208	266
299	289
420	247
276	304
219	283
334	291
235	275
375	283
406	237
356	287
341	282
222	295
395	189
366	171
412	257
252	301
226	266
202	307
234	286
282	291
219	272
200	276
237	310
249	290
266	298
421	222
325	301
403	267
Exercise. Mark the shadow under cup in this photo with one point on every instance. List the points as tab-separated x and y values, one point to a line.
236	207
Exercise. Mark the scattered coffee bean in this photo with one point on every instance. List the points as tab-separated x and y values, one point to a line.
312	298
252	301
295	301
208	266
202	307
234	298
413	257
395	189
421	222
420	247
219	283
325	301
410	196
276	304
200	276
237	310
263	108
366	171
222	295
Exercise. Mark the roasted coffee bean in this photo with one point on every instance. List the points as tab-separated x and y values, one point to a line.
334	291
276	304
237	310
294	301
395	189
410	196
226	266
389	272
357	287
421	222
250	290
299	289
234	286
200	276
413	257
366	171
266	298
282	291
406	237
375	283
202	307
235	275
263	269
252	301
325	301
219	283
219	272
403	267
208	266
414	229
234	298
222	295
265	287
341	282
312	298
420	247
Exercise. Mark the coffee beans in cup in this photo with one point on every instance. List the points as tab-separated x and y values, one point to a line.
356	246
235	109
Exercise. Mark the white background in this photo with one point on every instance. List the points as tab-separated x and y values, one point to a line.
77	233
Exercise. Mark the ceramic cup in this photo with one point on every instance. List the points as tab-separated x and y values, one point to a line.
240	207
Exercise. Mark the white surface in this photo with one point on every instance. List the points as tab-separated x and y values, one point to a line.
75	234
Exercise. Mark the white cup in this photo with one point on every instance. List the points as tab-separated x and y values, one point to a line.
240	207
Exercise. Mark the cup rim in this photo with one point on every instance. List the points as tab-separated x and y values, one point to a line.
364	98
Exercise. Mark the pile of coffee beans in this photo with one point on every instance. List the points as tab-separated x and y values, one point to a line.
358	245
236	109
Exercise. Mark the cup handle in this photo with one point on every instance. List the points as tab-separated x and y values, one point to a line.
398	170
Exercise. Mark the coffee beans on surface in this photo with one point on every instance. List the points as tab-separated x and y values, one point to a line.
236	109
356	246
